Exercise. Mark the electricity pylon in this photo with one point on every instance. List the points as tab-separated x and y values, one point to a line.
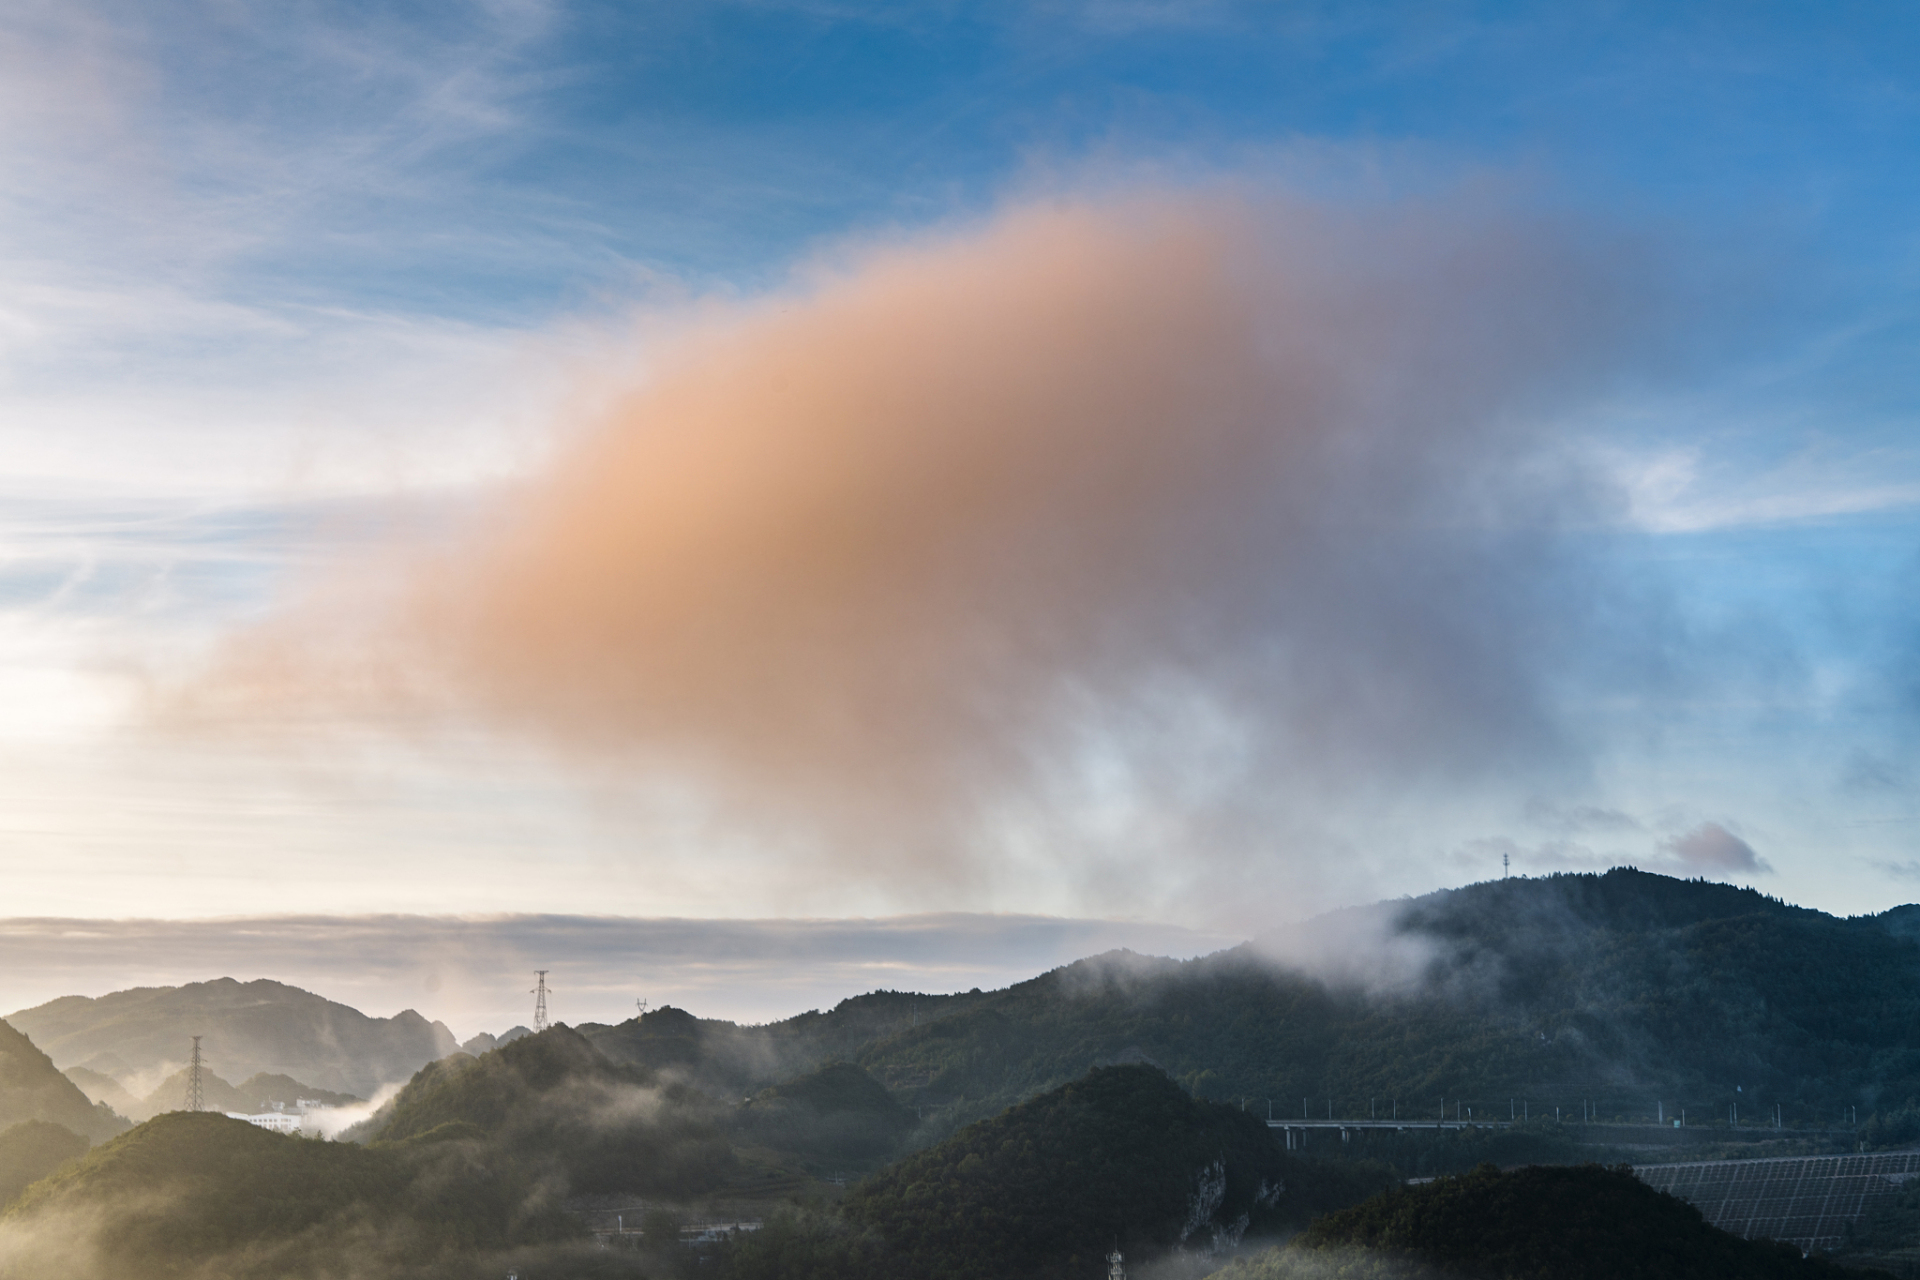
195	1102
540	1001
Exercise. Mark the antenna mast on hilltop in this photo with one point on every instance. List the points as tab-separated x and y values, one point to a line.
1504	872
195	1102
540	1001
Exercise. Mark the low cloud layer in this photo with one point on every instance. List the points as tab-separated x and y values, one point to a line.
1149	524
473	973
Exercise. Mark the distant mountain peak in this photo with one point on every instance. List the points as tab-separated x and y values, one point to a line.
142	1034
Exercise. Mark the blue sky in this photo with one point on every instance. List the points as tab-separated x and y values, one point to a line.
276	280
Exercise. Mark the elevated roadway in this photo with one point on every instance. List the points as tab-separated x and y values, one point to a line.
1295	1130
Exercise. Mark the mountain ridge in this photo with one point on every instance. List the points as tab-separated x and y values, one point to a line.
1625	992
142	1034
1625	987
32	1088
1626	984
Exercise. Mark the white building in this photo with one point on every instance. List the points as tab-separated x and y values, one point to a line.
278	1121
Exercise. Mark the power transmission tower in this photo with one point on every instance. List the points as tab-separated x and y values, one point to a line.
641	1005
540	1002
195	1102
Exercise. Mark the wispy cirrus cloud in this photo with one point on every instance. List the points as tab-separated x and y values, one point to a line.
195	295
1672	492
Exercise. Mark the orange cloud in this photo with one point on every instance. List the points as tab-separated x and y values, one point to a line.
865	554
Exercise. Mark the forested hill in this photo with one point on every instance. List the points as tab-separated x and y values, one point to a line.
1122	1157
551	1103
248	1028
1585	1223
1627	988
1631	990
194	1195
31	1089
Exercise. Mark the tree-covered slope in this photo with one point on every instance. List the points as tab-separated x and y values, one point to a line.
554	1103
1121	1157
31	1150
832	1119
1628	989
1635	993
197	1194
731	1061
1579	1223
32	1088
1046	1188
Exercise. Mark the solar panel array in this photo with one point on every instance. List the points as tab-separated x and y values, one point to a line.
1808	1201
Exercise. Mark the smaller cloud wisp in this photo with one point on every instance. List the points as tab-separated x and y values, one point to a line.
1712	850
331	1122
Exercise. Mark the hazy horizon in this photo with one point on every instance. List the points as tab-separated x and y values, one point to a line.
1189	463
474	974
